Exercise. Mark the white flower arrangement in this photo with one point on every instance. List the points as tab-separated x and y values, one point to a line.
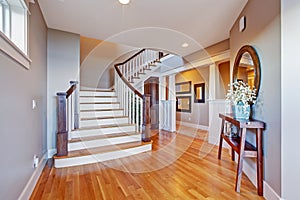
241	93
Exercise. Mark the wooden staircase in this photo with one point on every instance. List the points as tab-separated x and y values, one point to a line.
104	134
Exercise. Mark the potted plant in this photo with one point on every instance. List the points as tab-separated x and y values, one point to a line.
241	96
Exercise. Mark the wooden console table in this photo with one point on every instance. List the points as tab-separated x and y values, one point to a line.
243	148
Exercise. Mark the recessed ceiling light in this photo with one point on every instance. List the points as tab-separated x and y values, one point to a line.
184	45
124	2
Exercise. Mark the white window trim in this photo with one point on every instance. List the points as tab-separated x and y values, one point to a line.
8	48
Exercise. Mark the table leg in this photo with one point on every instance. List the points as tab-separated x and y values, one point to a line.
221	139
240	161
259	162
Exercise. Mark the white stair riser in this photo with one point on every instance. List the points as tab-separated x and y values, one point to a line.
98	106
102	131
100	122
111	113
97	99
103	142
82	160
92	94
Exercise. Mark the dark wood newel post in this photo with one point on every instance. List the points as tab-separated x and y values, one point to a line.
146	119
160	55
62	132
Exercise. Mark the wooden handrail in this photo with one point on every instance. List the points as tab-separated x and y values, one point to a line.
127	82
122	76
122	63
144	109
161	55
72	88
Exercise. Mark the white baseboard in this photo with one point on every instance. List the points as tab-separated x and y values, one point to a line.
269	193
51	153
28	189
197	126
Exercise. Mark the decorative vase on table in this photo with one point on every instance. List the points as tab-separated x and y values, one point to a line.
241	111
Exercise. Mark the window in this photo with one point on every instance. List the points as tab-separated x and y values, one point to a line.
13	22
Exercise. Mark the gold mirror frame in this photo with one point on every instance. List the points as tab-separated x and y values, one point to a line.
256	65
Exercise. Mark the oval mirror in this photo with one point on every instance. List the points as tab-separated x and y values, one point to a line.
247	67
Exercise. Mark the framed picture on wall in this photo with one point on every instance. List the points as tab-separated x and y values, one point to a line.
183	87
183	104
199	93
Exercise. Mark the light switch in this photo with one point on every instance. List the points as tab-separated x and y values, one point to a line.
242	24
33	104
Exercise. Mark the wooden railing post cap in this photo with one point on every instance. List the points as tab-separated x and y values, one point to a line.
61	94
74	82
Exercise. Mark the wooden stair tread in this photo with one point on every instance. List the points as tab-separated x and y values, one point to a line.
104	126
103	149
106	136
100	103
99	110
96	90
99	118
98	96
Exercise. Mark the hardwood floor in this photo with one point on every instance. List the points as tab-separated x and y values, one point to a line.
179	167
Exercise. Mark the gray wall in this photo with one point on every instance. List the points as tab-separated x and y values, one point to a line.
63	63
290	96
23	130
263	32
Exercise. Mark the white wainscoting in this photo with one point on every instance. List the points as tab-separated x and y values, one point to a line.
167	115
215	107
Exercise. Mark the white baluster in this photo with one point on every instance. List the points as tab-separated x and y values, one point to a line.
121	95
136	66
143	61
126	103
136	113
141	114
129	107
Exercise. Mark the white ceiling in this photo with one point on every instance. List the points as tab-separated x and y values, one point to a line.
163	24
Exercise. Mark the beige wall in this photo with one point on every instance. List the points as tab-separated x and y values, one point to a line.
22	129
224	80
197	75
199	113
86	46
263	33
96	69
209	51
